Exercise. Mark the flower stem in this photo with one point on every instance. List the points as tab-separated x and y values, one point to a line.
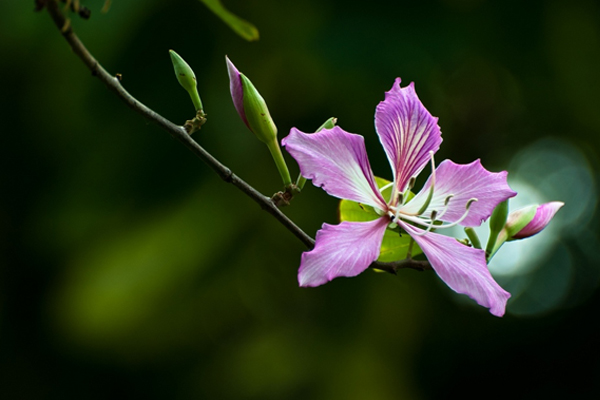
280	162
473	237
196	99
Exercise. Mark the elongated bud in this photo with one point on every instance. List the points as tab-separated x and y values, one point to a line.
253	110
186	78
257	113
497	221
237	92
250	105
531	220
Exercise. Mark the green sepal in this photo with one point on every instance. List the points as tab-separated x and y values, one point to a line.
515	225
497	222
396	243
512	228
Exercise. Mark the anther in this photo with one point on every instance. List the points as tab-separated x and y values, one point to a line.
433	215
471	201
430	195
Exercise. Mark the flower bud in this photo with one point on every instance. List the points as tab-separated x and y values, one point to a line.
250	105
186	78
531	220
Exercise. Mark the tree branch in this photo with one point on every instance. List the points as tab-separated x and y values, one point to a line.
179	133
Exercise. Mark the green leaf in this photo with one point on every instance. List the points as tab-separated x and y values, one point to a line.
394	247
243	28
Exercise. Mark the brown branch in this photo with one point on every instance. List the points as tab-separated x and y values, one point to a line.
178	132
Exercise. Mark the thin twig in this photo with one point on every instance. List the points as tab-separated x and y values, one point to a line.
178	132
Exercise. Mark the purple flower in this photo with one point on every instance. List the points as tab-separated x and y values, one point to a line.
543	214
454	194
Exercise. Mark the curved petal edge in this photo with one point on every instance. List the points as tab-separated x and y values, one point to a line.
336	161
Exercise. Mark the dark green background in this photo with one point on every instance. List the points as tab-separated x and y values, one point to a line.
128	269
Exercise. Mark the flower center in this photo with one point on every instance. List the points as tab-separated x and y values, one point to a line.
427	217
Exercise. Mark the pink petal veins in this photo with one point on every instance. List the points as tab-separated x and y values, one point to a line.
407	131
337	161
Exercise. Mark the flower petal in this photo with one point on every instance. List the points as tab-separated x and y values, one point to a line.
407	131
337	161
464	182
543	215
237	92
462	268
346	249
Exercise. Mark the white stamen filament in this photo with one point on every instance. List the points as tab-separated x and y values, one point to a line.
446	202
381	189
431	188
429	223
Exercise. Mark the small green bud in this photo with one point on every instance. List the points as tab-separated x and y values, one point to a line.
257	113
329	124
186	78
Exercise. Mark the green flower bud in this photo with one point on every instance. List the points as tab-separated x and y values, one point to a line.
257	113
186	78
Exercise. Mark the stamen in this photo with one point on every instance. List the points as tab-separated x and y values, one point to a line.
433	215
400	199
446	202
431	224
381	189
426	231
462	218
430	195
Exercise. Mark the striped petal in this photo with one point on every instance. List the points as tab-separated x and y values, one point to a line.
407	131
462	268
337	161
463	182
346	249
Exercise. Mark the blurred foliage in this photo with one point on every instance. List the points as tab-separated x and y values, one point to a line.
130	270
243	28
